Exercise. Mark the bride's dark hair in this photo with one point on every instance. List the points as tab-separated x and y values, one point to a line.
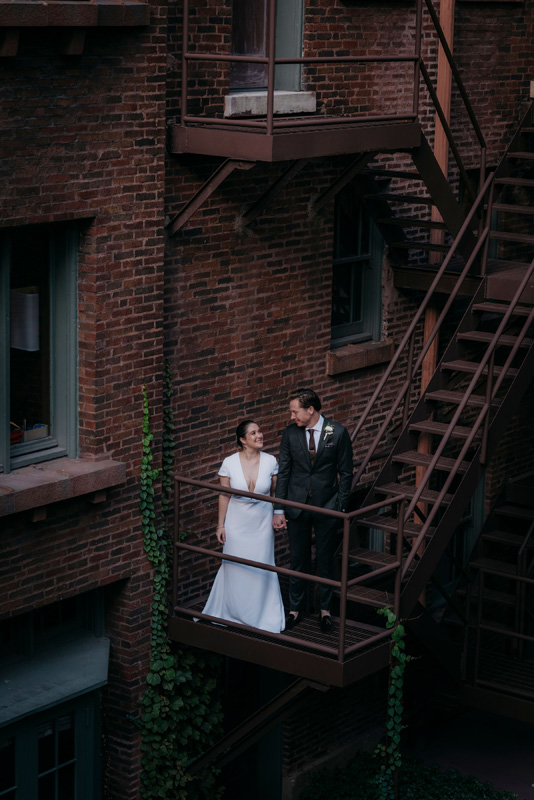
241	431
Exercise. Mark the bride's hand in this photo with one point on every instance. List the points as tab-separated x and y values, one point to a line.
221	534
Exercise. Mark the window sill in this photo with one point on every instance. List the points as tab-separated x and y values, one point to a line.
73	13
62	479
351	357
254	104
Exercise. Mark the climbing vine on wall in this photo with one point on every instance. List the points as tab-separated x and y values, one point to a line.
180	708
389	750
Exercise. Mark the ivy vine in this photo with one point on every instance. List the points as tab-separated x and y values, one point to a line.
389	750
181	711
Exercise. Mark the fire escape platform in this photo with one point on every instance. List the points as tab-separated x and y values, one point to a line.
305	138
302	652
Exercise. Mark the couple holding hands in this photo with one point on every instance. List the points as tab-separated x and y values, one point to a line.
315	468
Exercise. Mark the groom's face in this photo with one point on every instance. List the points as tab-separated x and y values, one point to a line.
300	416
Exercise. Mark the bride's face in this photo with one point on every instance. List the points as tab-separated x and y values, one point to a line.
253	437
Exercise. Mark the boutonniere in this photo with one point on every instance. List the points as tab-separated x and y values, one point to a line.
329	429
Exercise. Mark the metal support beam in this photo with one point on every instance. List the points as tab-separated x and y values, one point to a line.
198	200
256	726
273	192
343	179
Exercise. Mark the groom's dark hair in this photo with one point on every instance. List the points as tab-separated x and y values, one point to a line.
306	398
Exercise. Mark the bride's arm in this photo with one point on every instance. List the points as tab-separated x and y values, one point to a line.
224	499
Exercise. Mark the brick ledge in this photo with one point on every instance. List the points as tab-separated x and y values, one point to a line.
359	356
73	13
49	482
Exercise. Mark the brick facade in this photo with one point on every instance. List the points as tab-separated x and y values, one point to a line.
242	313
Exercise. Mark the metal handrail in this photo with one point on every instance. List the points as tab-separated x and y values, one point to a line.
410	333
341	585
485	410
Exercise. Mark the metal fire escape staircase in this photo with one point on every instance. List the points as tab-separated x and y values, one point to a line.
467	405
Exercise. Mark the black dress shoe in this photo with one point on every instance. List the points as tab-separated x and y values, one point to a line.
326	623
292	620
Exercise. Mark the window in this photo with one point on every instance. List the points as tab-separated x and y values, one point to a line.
38	391
249	37
357	272
52	755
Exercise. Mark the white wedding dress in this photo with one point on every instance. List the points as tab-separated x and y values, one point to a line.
248	595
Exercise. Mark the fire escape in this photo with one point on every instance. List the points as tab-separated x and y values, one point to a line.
483	259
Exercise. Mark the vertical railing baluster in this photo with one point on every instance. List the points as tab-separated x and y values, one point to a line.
343	591
185	77
417	65
271	51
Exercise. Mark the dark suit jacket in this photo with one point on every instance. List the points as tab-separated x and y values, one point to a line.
297	476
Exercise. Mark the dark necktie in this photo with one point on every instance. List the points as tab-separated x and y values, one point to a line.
311	446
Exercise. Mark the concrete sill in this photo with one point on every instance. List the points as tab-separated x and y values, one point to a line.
73	13
358	356
254	104
37	486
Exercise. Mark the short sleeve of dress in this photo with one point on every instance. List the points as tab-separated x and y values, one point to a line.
273	465
224	471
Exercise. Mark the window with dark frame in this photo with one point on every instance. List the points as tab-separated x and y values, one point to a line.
357	271
38	387
249	38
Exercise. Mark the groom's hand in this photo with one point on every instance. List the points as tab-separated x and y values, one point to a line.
279	522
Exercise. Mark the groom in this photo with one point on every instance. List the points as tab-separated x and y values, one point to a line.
315	468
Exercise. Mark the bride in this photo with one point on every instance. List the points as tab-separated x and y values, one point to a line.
247	595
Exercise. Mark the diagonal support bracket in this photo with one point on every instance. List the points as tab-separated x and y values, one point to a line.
221	173
343	179
256	726
273	191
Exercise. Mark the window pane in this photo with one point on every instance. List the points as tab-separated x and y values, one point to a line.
66	783
65	739
249	32
47	787
7	765
46	747
30	337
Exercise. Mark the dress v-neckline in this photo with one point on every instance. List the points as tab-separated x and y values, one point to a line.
248	489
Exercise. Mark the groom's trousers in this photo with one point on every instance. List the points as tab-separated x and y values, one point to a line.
300	540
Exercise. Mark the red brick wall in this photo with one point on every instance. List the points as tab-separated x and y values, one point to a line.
84	138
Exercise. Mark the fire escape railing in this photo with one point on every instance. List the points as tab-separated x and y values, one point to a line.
343	585
269	123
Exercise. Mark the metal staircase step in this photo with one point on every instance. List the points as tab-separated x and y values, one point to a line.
412	221
471	366
440	428
513	209
502	308
401	198
515	512
412	245
372	557
502	598
493	565
391	525
447	396
519	154
428	495
487	336
506	538
522	238
515	181
416	459
370	597
391	173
